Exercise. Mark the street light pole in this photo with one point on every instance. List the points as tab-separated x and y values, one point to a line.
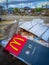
7	5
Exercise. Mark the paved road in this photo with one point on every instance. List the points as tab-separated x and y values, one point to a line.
13	17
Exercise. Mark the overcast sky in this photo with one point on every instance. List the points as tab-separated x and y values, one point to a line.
25	3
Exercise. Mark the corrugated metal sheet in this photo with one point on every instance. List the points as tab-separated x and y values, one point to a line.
26	25
29	24
46	36
34	23
20	23
38	21
38	29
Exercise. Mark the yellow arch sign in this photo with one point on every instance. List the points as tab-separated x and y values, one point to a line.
17	43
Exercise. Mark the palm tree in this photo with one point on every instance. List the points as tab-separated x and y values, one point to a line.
42	6
46	6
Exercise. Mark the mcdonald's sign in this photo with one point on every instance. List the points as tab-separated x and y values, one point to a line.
16	44
31	52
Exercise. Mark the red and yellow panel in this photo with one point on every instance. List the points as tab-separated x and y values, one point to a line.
16	44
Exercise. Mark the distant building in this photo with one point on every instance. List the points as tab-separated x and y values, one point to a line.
10	11
45	12
25	10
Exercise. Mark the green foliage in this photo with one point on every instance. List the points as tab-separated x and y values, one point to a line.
38	9
16	10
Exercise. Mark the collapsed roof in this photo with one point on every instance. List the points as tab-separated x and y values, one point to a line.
37	27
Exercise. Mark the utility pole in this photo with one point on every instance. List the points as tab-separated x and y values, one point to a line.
7	5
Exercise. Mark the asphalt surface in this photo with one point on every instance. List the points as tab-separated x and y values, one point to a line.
7	59
24	18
